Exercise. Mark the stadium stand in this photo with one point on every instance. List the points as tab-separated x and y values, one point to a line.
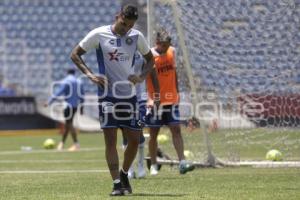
36	38
237	46
240	47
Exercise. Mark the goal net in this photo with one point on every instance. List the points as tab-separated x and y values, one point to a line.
239	75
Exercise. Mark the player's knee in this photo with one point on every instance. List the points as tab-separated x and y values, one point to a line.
175	129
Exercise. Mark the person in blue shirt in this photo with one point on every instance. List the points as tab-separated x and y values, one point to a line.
5	91
71	89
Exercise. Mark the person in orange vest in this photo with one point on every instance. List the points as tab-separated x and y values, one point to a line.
168	111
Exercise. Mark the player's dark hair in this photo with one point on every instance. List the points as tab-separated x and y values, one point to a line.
71	71
130	12
163	36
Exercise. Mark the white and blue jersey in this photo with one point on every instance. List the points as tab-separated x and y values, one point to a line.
71	89
141	93
115	55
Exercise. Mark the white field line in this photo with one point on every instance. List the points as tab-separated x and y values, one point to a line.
54	171
47	151
266	164
51	161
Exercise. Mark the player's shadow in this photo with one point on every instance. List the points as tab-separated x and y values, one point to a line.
157	195
165	178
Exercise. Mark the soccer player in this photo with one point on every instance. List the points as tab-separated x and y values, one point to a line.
72	90
115	47
168	113
142	101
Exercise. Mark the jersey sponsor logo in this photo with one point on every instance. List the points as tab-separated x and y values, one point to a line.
165	69
118	56
119	42
112	42
129	41
107	107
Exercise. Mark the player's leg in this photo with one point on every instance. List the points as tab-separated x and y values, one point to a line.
109	126
111	153
73	131
141	173
112	159
177	140
131	173
128	120
133	137
154	123
172	119
66	131
68	122
152	145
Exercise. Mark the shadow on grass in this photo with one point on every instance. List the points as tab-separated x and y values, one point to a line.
164	178
157	195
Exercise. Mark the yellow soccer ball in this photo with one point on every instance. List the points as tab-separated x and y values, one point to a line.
188	154
162	139
274	155
49	143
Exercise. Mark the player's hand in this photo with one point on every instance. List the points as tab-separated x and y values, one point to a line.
45	104
100	80
156	103
134	79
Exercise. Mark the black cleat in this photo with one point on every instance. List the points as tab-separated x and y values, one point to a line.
184	168
125	183
117	190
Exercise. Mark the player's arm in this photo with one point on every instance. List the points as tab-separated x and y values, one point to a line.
156	87
90	41
149	65
177	87
144	49
61	90
153	76
176	77
76	54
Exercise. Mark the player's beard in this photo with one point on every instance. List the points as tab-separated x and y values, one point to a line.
122	32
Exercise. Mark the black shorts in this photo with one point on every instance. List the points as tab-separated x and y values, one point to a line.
119	113
69	113
170	115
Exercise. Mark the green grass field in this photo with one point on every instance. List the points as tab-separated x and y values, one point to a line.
50	175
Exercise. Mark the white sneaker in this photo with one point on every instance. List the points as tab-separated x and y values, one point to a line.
153	170
60	146
141	173
74	147
131	173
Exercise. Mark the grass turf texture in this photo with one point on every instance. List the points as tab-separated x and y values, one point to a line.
81	182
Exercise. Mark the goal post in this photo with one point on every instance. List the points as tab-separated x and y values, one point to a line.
211	160
236	68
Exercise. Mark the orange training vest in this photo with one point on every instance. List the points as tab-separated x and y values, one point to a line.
166	74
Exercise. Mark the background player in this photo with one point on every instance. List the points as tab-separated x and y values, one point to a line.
69	89
168	113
